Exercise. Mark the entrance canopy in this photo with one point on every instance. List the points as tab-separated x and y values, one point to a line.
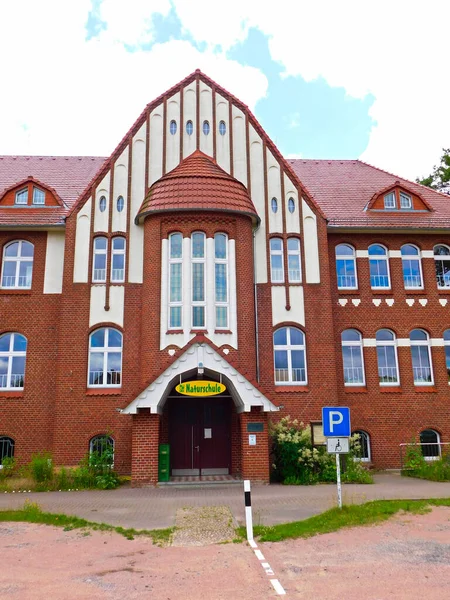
200	358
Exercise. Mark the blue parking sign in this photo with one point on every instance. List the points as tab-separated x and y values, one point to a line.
336	421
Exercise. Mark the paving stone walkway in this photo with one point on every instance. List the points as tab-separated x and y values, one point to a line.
153	508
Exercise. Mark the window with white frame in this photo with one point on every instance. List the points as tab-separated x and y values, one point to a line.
447	352
22	196
387	357
38	196
412	267
346	267
118	259
294	268
17	268
13	354
363	441
102	446
405	201
389	201
198	259
175	280
442	265
379	267
6	448
289	356
221	280
100	257
105	358
421	357
430	443
276	260
352	357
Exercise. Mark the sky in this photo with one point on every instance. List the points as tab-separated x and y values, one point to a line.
325	78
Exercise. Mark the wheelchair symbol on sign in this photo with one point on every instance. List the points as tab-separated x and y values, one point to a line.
338	447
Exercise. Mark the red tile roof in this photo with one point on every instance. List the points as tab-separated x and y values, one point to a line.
344	188
197	183
67	175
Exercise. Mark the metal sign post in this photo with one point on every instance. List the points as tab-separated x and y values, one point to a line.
338	478
336	422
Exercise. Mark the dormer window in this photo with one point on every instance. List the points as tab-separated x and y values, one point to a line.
38	196
389	201
405	201
22	196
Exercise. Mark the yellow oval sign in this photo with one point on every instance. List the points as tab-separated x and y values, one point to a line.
200	388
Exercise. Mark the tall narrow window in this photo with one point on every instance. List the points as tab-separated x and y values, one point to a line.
276	260
38	196
175	280
118	260
363	440
387	357
17	269
412	267
222	128
352	356
294	269
6	448
221	280
274	204
120	204
442	264
430	442
379	267
173	127
289	356
206	127
102	204
198	280
189	128
291	205
99	262
447	352
421	357
346	267
102	445
13	353
105	358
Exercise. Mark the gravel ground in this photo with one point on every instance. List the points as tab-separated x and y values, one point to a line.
200	526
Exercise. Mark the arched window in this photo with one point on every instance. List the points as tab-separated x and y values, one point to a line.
6	448
17	268
175	280
412	267
291	205
387	357
22	196
379	267
294	269
221	280
447	351
13	354
222	128
442	265
102	446
120	204
198	257
206	127
189	128
421	357
118	260
105	358
99	262
289	356
346	267
274	205
276	260
38	196
102	204
173	127
430	441
352	357
364	445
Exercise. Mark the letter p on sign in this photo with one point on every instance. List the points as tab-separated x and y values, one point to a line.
336	421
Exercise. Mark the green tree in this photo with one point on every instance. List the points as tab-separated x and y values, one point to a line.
440	177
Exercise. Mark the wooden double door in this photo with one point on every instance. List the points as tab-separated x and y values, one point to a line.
200	435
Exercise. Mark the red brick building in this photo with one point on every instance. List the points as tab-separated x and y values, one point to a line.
196	252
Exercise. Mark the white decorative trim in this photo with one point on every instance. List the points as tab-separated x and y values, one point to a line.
226	351
443	301
437	342
356	301
423	301
171	352
362	254
244	393
403	342
427	254
389	301
410	301
376	301
369	342
395	254
342	301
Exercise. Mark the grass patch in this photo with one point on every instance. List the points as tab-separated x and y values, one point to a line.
32	513
334	519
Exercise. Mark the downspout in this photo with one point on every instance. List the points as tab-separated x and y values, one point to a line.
255	292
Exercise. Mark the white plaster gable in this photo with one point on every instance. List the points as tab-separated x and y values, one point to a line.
244	393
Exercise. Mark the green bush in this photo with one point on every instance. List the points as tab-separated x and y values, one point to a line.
416	466
8	467
41	467
354	471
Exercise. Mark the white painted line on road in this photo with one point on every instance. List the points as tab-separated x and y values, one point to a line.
278	587
259	555
267	568
252	543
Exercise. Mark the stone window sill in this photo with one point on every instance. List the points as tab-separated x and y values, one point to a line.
11	394
292	388
103	391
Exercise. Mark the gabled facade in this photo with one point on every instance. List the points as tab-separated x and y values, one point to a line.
197	253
